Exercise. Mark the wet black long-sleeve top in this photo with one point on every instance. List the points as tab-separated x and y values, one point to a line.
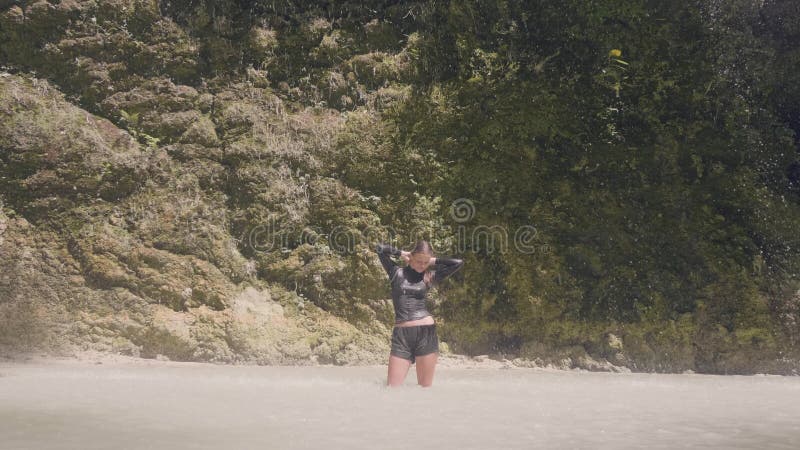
409	290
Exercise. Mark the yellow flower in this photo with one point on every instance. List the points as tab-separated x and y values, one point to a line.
615	53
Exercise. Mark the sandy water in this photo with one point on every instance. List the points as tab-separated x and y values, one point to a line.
171	405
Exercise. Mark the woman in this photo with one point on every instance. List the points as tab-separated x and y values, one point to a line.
414	337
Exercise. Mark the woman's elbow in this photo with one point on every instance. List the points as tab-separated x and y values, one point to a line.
457	265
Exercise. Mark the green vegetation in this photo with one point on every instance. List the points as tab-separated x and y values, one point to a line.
176	154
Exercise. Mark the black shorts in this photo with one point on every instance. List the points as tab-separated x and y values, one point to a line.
413	341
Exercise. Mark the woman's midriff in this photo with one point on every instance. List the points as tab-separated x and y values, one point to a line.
427	320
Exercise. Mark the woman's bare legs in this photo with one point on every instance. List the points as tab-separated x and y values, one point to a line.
398	369
426	365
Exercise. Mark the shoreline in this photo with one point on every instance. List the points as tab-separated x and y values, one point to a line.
97	357
446	361
83	357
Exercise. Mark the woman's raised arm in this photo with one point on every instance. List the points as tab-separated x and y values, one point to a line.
385	252
445	268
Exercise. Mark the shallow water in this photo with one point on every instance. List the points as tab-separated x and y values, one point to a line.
199	406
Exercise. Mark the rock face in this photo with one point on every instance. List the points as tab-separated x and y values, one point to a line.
145	178
112	244
155	167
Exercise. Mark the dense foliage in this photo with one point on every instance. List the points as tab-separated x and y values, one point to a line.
649	149
653	145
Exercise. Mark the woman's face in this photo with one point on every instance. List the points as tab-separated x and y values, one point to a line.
419	261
